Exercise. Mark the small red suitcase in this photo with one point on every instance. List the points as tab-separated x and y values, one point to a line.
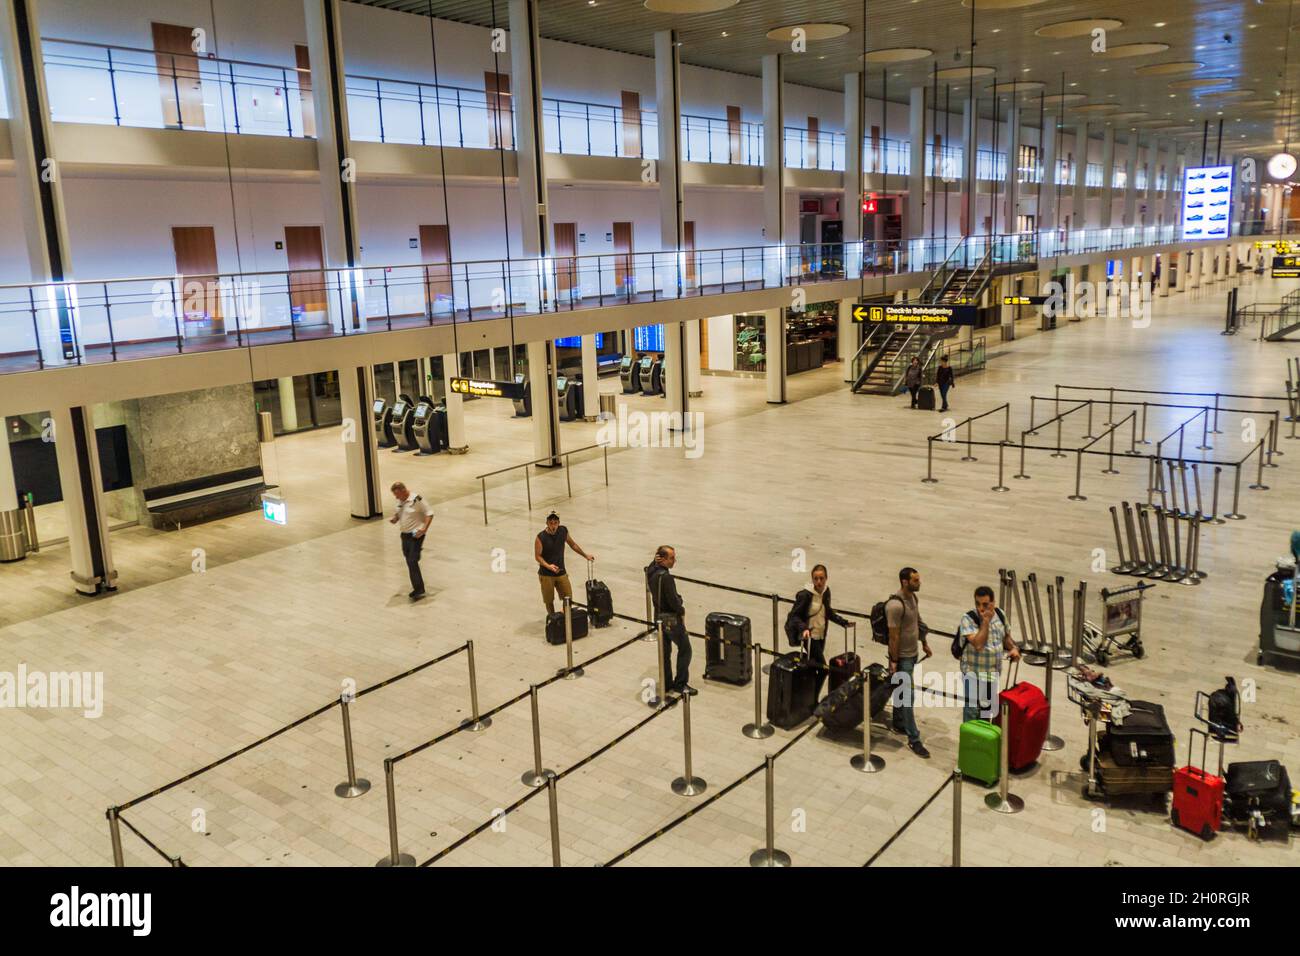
843	666
1198	795
1027	711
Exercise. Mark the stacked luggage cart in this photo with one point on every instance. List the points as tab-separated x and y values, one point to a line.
1130	747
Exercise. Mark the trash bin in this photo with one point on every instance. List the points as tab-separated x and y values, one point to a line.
13	535
608	405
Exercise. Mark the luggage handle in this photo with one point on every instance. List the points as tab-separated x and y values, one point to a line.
1191	741
854	626
591	570
1013	668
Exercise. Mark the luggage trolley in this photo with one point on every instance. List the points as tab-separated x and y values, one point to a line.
1279	635
1121	618
1103	707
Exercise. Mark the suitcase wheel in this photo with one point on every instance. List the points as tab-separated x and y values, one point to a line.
1206	833
1173	818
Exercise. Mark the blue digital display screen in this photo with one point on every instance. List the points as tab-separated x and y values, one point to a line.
648	338
1207	202
575	341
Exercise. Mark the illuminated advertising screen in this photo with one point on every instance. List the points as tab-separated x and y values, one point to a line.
648	338
1207	202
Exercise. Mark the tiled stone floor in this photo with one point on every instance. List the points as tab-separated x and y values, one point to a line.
196	665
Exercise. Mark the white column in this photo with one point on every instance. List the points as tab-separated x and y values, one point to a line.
78	461
1047	208
1107	176
590	385
546	406
774	350
1080	204
774	151
851	204
1184	267
671	226
846	336
529	138
970	224
288	404
1012	207
360	443
1163	289
1130	180
694	388
8	488
916	173
457	442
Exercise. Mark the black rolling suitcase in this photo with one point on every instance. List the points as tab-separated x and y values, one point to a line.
841	709
1258	794
600	603
728	648
843	666
925	398
1143	739
793	686
555	625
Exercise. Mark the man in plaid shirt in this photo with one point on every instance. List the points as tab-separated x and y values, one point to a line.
985	635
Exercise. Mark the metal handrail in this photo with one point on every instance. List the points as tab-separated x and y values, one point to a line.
482	479
943	266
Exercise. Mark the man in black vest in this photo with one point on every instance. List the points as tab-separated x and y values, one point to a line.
548	550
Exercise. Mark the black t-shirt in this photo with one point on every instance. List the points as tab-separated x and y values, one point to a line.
553	550
944	375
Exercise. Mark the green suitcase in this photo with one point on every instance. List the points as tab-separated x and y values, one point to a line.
979	751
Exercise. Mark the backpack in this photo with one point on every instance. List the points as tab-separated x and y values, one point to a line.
959	642
1225	710
880	620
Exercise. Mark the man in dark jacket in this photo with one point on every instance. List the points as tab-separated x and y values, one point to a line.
672	612
944	380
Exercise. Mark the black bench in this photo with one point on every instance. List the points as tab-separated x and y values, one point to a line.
193	496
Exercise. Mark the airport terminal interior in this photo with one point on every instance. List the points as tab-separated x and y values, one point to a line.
398	392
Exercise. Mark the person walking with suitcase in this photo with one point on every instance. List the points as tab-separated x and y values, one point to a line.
412	518
548	552
983	636
944	380
912	379
670	610
807	619
906	641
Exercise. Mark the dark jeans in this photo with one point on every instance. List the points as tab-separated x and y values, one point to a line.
676	636
943	394
903	696
913	389
817	651
411	548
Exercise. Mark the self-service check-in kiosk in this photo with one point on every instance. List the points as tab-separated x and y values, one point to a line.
403	424
629	373
569	393
523	404
426	428
383	417
440	417
651	375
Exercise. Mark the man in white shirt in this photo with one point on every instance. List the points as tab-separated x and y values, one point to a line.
413	518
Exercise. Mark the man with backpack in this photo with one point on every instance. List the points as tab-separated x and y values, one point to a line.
905	633
982	637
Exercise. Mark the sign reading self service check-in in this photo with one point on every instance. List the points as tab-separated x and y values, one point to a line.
1286	267
486	389
914	313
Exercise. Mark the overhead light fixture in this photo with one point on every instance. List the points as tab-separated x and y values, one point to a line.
811	31
689	6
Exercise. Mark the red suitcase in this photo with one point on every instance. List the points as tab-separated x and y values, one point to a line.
1198	795
1027	716
843	666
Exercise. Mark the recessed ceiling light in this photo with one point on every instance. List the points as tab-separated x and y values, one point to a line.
1168	69
689	6
963	72
1077	28
724	33
811	31
1160	24
900	54
996	30
1134	49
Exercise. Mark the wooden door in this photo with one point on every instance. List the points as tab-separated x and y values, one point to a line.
308	292
622	256
178	76
435	253
735	130
566	248
688	244
631	123
810	147
195	248
500	111
303	59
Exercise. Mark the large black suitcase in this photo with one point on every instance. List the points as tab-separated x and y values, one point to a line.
925	398
600	603
1143	739
555	625
1257	785
841	709
793	686
728	648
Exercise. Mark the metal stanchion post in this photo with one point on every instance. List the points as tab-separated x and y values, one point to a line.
1235	514
956	817
1270	444
1214	498
1194	573
554	805
1154	569
769	855
652	634
1125	565
1051	742
687	785
1179	574
115	834
1187	499
1110	457
351	787
474	722
1040	632
1259	475
661	647
1205	431
528	486
483	483
1029	626
1173	487
1196	483
1058	453
395	856
759	729
1078	478
1062	652
569	672
1144	440
1004	801
867	762
1022	475
929	478
1025	625
1000	486
1110	413
1081	610
1006	423
538	775
1089	435
1136	565
1133	435
1215	429
1166	567
968	456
